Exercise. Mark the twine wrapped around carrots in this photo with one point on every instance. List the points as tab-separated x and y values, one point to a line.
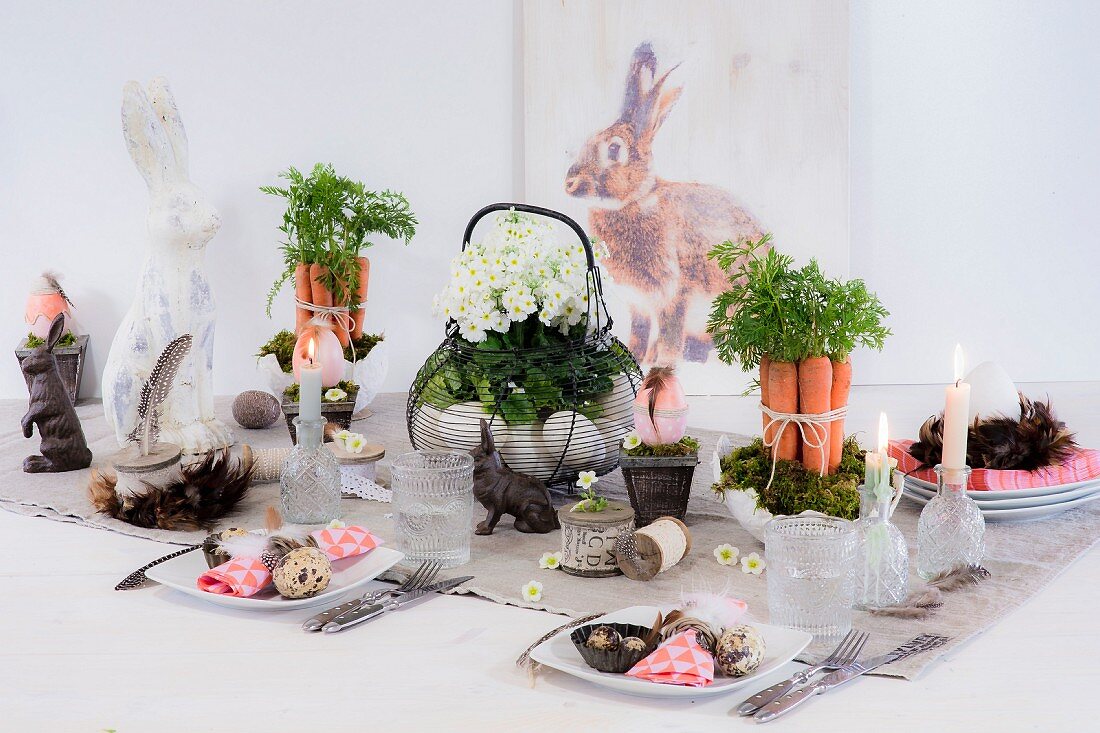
819	425
339	315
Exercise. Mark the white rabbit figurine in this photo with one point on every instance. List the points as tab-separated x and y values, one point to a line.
173	295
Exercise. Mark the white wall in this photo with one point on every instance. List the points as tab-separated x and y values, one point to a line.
975	158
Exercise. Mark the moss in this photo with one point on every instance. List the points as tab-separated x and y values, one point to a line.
282	346
794	489
67	339
685	447
291	393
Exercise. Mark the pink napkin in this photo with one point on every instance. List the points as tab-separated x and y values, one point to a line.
679	661
1082	465
247	576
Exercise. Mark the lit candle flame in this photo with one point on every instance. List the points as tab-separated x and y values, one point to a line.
310	350
883	433
960	362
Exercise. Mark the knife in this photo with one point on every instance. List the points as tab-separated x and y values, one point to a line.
791	700
315	623
365	612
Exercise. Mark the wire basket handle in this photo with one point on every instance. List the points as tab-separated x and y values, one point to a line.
529	209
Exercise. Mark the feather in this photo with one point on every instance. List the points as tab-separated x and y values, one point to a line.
656	381
197	498
1035	439
272	519
244	545
960	577
156	389
717	610
918	605
53	280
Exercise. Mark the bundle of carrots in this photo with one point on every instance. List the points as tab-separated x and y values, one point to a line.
310	287
798	327
326	224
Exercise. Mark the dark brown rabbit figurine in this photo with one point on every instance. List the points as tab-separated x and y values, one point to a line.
64	447
503	491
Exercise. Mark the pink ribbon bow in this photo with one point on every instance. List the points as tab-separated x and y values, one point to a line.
681	660
247	576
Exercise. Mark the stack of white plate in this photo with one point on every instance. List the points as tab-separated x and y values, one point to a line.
1014	505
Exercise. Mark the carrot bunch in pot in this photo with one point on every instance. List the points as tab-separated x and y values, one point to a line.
798	327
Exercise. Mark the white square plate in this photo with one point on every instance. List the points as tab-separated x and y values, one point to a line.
182	574
781	646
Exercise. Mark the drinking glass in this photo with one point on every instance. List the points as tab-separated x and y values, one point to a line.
433	503
810	571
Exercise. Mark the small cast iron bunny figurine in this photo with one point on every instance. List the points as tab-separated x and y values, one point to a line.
503	491
64	447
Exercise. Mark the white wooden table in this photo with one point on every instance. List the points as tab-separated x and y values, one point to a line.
76	655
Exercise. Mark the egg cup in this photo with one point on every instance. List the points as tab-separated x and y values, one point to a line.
619	660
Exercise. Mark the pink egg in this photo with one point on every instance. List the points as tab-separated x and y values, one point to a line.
327	353
670	409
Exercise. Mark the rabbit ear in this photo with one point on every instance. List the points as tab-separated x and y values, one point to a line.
487	437
665	102
57	328
146	138
639	82
164	104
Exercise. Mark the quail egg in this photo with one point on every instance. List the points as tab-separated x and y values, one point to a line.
605	638
302	573
739	651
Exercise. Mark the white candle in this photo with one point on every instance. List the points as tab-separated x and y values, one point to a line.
956	422
309	387
878	464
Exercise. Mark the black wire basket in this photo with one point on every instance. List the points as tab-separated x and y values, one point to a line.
555	409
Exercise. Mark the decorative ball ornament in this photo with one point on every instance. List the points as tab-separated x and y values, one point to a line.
256	410
327	352
660	409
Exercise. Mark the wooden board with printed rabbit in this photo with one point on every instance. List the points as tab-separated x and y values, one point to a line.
669	127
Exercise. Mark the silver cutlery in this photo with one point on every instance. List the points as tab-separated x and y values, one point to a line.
137	578
846	652
422	576
365	613
846	674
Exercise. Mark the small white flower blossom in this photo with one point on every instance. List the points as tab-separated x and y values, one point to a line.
341	436
586	479
632	440
355	443
336	524
726	554
335	395
550	560
752	563
532	591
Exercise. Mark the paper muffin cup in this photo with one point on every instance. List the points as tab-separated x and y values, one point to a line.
618	661
212	552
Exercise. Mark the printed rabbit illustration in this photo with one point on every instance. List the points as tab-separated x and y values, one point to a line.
503	491
173	295
64	447
657	232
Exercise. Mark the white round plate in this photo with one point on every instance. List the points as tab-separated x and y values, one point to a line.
781	646
1022	514
182	574
1013	493
994	500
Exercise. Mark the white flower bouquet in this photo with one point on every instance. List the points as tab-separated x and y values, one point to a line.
529	350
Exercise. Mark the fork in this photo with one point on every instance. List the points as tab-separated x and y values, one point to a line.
846	652
422	576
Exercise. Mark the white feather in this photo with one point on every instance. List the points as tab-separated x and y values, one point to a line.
249	545
717	610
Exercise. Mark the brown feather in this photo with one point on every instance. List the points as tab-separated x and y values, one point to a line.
197	498
1035	439
656	380
960	577
918	605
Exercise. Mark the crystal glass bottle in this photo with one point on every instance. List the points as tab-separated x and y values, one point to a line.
951	527
310	481
882	556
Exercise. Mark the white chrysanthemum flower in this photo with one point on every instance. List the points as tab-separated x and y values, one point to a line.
472	331
355	443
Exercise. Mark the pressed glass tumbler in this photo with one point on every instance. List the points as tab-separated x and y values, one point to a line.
810	571
433	505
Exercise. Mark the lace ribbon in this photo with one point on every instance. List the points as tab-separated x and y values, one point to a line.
817	422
